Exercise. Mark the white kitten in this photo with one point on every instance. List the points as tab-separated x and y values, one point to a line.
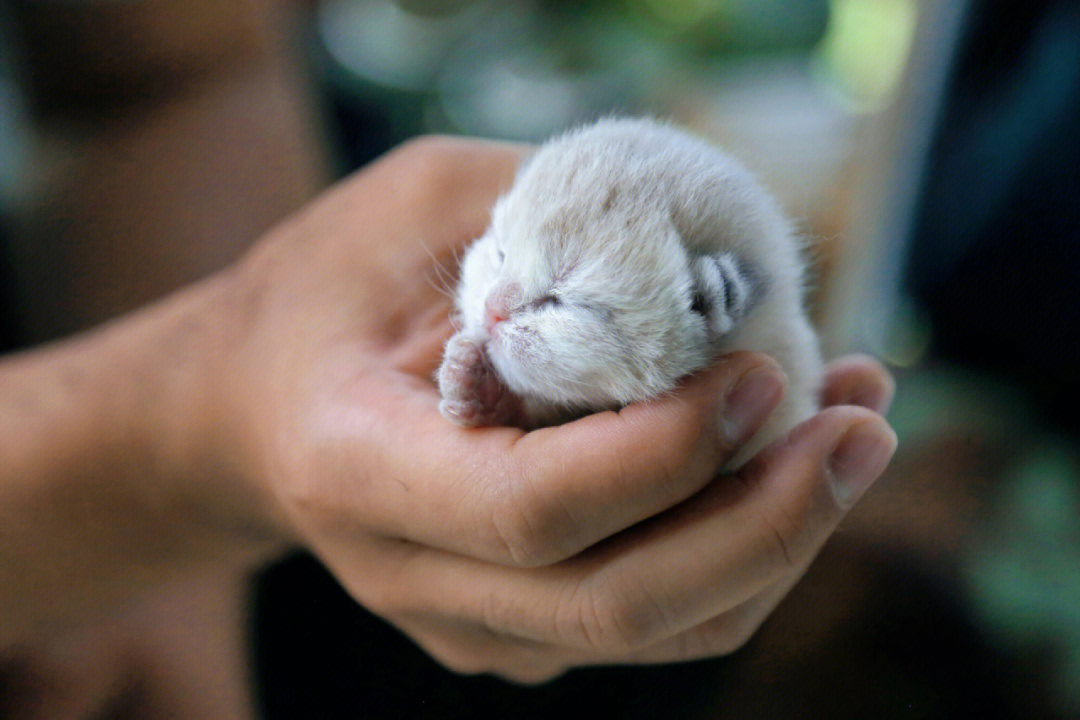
627	255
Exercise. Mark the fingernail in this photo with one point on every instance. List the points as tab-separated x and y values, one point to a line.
749	403
859	459
876	398
871	399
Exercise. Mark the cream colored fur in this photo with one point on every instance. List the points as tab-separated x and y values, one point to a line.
626	255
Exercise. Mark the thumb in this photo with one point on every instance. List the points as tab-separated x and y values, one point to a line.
805	483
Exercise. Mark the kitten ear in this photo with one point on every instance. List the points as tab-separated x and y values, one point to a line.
723	291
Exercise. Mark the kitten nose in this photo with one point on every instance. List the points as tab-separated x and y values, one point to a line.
494	313
500	303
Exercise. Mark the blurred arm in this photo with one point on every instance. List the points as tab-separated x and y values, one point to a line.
174	133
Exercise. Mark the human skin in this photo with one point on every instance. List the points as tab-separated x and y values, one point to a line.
288	401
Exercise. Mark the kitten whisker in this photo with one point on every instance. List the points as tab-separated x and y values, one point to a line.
443	276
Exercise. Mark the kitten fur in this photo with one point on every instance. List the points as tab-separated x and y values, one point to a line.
626	255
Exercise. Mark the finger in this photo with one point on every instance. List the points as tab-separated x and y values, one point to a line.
387	577
722	635
469	649
858	380
531	499
698	561
472	648
769	525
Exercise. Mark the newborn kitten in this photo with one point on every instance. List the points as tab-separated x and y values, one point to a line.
627	255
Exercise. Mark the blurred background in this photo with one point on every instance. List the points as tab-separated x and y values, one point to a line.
927	148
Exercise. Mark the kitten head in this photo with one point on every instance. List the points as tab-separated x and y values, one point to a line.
594	302
615	265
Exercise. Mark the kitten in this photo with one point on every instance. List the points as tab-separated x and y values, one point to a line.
626	255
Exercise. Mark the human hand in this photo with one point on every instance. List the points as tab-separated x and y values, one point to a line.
608	539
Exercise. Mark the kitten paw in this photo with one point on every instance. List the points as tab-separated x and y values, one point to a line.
473	395
724	291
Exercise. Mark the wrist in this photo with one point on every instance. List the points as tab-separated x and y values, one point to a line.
133	415
185	354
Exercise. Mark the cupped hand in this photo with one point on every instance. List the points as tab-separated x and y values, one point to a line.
609	539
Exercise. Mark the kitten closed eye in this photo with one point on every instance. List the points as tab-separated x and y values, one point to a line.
546	301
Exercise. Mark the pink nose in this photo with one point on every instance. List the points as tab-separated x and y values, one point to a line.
494	313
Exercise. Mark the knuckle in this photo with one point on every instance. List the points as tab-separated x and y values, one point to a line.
619	618
786	531
483	655
531	532
462	663
680	448
522	537
720	636
299	483
532	675
378	600
382	596
700	457
786	521
741	635
515	532
504	613
303	494
456	656
734	635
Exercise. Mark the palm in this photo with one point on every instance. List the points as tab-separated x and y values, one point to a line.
467	539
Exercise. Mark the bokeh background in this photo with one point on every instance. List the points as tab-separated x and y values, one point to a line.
929	150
